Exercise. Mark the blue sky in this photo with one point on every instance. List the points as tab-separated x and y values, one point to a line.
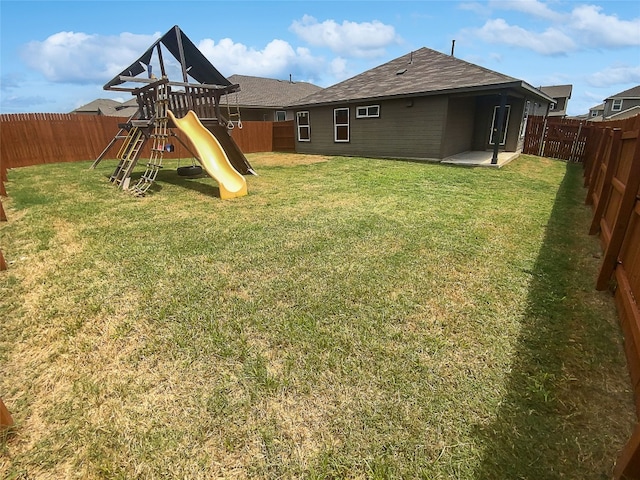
56	56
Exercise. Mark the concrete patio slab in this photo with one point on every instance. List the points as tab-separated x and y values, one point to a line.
480	159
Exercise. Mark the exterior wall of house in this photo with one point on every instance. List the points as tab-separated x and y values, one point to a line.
458	135
406	128
627	103
539	109
259	114
560	107
484	115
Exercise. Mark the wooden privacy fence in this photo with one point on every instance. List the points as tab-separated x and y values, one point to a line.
612	178
557	138
38	138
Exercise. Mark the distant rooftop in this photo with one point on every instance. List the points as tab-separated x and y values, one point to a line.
108	108
269	92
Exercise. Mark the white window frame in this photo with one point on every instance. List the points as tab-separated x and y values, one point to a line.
337	125
506	124
367	111
616	105
306	126
284	115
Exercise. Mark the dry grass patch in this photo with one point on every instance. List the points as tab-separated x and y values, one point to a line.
349	318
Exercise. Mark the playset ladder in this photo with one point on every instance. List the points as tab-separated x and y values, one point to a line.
120	135
159	136
128	156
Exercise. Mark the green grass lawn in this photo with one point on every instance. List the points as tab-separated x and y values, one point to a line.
349	318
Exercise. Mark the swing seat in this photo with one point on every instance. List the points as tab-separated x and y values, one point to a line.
189	171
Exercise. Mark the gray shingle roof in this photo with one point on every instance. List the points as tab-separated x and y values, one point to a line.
557	91
633	92
421	72
109	107
269	92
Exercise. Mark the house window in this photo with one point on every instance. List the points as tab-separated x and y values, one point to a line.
494	123
281	115
617	105
304	128
370	111
341	124
552	106
594	113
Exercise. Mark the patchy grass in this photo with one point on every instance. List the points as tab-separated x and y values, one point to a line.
349	318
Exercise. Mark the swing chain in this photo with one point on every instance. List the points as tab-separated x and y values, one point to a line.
230	124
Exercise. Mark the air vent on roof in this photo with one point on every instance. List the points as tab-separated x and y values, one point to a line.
400	72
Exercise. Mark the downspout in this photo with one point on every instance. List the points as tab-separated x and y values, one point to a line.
497	132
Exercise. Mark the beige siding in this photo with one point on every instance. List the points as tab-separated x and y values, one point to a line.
405	129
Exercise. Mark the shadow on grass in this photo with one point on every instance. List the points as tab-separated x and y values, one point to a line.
191	183
543	429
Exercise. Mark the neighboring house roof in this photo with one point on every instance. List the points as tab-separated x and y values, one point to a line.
633	92
597	107
270	93
183	50
557	91
109	108
422	72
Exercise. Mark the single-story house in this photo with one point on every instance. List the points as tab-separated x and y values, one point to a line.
424	105
108	107
265	99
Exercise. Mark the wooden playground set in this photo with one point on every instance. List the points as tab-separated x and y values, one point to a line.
162	101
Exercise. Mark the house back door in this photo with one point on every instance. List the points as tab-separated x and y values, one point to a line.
494	124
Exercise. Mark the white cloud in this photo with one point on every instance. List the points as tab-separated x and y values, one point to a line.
278	59
550	42
348	39
530	7
77	57
475	7
584	27
598	29
615	75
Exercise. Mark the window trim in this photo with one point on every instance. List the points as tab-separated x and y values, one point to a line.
367	114
336	125
618	105
303	113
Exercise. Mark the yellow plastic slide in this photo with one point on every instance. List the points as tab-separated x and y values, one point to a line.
212	156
